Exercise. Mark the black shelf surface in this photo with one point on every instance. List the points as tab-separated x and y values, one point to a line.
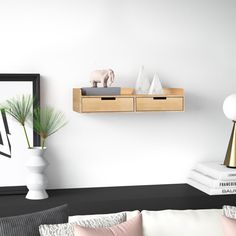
114	199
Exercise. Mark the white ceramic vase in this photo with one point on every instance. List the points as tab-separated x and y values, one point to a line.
36	178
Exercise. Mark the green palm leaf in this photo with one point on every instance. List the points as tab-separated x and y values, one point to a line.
20	109
47	121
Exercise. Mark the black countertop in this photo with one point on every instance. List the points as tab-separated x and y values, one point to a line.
114	199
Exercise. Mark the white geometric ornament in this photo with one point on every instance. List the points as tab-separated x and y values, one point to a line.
156	87
142	82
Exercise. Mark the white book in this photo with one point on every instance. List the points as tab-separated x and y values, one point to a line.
211	191
210	181
216	170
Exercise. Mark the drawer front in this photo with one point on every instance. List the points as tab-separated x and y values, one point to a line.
160	104
107	104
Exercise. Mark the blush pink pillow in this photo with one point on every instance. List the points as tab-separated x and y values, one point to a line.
132	227
229	226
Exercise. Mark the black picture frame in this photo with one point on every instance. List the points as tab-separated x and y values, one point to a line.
35	79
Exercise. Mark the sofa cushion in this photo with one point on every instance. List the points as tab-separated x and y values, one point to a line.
129	215
96	221
132	227
229	211
229	226
182	222
28	225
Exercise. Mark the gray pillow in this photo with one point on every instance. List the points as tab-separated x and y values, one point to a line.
28	225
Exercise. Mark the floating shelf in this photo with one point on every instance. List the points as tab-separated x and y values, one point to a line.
171	100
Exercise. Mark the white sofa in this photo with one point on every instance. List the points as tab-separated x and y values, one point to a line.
179	222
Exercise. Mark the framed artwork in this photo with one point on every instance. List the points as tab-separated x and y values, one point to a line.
13	146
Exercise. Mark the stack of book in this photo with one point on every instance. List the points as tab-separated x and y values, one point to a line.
213	178
90	91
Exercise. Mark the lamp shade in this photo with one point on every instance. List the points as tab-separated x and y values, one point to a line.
229	107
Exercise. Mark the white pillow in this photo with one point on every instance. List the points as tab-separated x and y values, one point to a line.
129	215
94	221
229	211
182	223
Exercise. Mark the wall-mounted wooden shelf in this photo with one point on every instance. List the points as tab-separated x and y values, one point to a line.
171	100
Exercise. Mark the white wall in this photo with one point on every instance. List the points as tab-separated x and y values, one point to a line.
190	43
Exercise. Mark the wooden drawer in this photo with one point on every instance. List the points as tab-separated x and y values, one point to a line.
107	104
172	99
160	104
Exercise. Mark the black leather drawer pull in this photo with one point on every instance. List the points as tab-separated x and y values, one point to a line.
159	98
108	98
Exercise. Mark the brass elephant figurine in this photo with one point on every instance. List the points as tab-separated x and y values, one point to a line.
105	77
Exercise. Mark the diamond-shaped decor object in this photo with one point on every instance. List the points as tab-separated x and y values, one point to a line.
142	82
156	87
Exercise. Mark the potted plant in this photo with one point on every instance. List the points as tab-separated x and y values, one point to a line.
46	121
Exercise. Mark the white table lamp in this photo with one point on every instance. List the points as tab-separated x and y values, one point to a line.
229	108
